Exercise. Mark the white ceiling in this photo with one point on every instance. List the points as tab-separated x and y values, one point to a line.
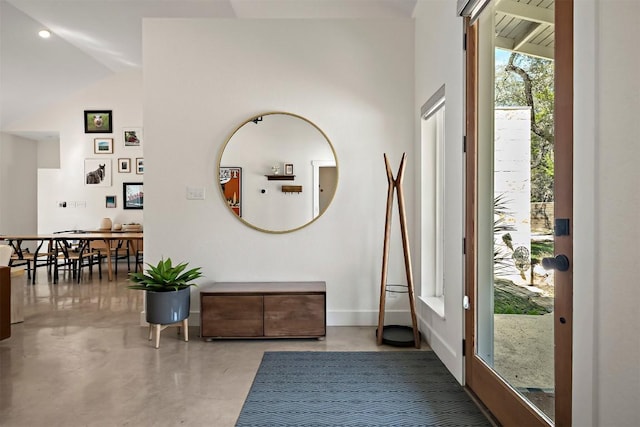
93	39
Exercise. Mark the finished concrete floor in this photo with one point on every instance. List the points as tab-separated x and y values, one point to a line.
80	358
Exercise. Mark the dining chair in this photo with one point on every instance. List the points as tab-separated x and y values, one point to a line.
118	252
17	259
121	252
76	258
139	254
32	260
44	256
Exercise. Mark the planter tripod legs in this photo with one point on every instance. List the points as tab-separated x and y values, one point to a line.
156	328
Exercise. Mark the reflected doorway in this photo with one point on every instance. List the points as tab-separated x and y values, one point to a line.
325	179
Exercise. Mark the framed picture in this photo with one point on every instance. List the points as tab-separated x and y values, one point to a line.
98	121
110	201
103	145
140	165
133	195
231	183
132	137
288	168
124	165
97	172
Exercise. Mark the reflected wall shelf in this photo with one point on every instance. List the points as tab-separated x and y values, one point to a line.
280	177
292	188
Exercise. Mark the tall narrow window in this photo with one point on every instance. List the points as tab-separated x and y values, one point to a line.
433	144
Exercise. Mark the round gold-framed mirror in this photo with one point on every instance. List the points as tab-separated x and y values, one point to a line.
278	172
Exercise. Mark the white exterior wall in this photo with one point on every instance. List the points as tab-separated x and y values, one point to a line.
353	79
512	180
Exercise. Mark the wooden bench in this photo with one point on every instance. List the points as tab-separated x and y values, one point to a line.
263	310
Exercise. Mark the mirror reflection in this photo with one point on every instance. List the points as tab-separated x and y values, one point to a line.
278	172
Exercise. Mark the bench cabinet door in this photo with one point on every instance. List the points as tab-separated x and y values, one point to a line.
231	316
294	315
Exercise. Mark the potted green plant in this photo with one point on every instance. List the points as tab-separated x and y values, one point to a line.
168	294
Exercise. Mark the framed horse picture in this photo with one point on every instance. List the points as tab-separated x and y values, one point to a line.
97	172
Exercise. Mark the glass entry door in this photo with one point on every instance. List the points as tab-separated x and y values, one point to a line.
513	223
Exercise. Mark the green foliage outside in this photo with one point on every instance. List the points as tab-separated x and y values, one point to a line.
505	301
513	305
502	260
541	249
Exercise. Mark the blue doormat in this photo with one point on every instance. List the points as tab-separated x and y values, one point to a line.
385	388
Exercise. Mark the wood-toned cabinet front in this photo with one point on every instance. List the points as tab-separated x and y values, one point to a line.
231	316
264	310
294	315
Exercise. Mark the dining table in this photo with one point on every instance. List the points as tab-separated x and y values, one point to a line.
108	237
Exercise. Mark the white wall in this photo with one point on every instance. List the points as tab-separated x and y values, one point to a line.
438	61
606	204
353	79
49	152
18	163
122	94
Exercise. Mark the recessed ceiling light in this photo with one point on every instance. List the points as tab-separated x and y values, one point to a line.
45	34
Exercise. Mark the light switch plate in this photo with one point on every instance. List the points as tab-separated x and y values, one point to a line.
195	193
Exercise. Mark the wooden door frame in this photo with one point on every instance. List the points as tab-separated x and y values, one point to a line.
478	375
563	191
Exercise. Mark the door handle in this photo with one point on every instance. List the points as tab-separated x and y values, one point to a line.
560	263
